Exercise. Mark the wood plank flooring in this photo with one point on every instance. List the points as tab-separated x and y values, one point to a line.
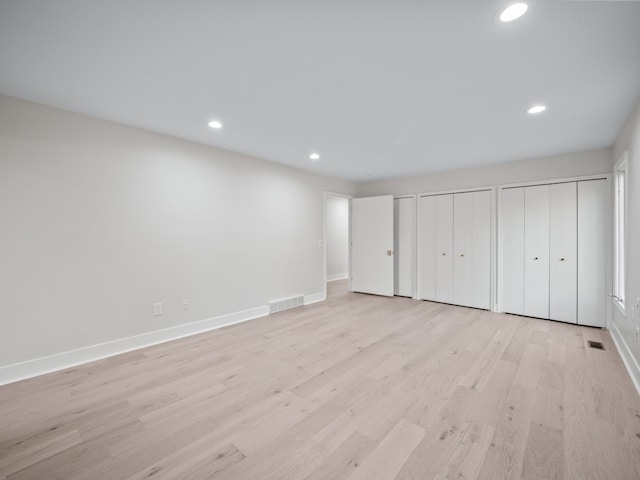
357	387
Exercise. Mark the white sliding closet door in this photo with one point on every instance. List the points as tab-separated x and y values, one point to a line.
463	249
427	225
592	252
512	245
372	245
444	248
403	240
536	251
481	250
563	252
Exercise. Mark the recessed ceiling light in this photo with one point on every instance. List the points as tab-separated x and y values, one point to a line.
536	109
215	124
513	12
314	156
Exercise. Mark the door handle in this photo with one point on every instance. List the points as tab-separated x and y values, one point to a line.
389	253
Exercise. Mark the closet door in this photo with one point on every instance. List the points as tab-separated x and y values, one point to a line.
403	241
512	245
481	250
463	249
563	252
536	251
592	252
427	225
444	248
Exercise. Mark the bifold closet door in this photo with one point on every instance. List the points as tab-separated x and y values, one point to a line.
512	245
444	248
536	251
481	250
463	249
592	252
563	252
403	240
427	235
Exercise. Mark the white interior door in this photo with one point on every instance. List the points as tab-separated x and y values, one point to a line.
404	246
592	252
536	251
512	245
463	249
481	256
444	248
372	245
563	251
427	226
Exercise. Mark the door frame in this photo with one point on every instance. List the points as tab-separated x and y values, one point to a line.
609	240
493	282
325	196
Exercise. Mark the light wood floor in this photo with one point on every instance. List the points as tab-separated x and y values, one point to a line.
358	387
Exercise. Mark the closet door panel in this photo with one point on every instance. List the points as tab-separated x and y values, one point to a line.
563	252
403	246
512	246
444	248
427	226
463	249
592	252
481	255
536	251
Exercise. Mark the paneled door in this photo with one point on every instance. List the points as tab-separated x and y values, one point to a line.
563	251
372	245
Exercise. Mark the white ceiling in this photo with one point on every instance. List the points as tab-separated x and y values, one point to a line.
379	88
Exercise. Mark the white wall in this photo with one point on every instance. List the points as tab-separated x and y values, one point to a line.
98	221
561	166
337	237
624	328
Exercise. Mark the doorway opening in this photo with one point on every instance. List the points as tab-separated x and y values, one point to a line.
336	242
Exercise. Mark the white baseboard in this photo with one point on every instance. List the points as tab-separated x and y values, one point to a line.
314	297
337	276
627	356
61	361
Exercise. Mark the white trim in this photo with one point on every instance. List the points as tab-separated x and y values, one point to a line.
72	358
315	297
551	181
627	356
337	276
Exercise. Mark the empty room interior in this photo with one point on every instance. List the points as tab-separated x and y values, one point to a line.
320	240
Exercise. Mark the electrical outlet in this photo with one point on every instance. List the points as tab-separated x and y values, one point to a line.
185	304
157	309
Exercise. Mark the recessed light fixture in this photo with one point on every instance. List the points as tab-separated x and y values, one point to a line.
536	109
215	124
314	156
513	12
